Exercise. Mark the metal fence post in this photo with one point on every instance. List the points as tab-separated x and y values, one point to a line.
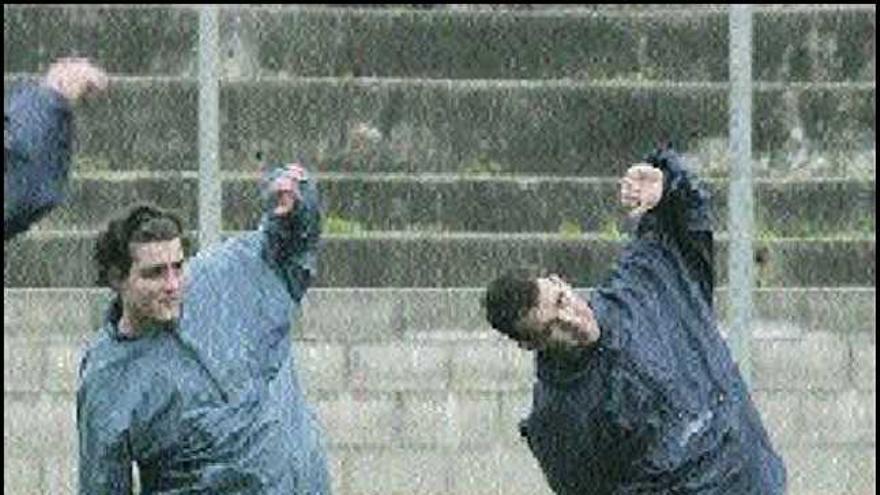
210	193
741	220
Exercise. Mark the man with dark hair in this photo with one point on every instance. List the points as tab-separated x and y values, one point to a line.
636	390
191	377
37	140
141	257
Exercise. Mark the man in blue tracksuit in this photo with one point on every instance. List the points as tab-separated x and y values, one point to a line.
37	140
637	391
192	375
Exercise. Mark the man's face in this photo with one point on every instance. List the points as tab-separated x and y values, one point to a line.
152	291
560	319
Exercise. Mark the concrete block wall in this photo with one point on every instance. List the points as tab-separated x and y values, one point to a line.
417	395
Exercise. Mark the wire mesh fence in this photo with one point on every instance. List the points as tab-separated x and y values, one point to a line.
446	136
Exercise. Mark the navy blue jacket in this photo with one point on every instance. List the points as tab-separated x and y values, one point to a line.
657	405
213	405
37	136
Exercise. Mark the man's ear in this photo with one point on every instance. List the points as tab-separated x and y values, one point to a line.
521	322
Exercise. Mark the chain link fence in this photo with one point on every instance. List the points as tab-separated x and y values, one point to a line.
447	137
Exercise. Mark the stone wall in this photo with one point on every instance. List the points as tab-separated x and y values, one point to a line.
417	395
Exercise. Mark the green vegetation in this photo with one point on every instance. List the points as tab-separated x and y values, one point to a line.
482	165
570	229
335	224
611	231
90	164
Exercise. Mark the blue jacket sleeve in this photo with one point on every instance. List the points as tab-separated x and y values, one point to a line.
682	219
291	241
104	454
240	294
37	128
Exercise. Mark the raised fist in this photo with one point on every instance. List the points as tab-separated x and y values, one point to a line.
641	188
75	78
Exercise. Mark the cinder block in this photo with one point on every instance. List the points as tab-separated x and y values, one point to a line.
22	365
13	311
23	427
22	475
321	366
428	420
69	314
818	361
782	415
439	310
520	474
475	472
398	472
410	366
476	419
493	365
448	420
831	470
862	478
349	315
43	431
62	475
352	421
844	417
497	471
864	363
58	421
336	469
62	364
515	406
57	314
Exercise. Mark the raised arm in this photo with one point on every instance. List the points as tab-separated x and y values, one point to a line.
36	155
37	140
674	208
240	294
291	225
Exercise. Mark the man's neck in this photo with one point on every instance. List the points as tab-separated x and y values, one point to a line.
130	329
126	328
562	365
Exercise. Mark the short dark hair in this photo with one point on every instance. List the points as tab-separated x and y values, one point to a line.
139	223
510	296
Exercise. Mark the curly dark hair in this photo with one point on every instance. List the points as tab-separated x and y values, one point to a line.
510	296
139	223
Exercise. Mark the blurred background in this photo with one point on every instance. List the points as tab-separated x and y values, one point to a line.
453	141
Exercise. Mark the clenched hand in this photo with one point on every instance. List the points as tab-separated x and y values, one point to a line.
641	188
75	78
286	189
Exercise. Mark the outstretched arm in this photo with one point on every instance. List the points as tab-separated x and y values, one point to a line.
673	208
37	135
292	226
36	156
